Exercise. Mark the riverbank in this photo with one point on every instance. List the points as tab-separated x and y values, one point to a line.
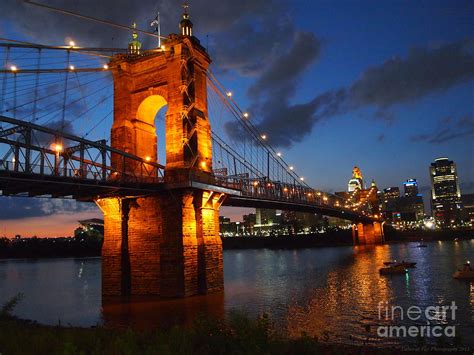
71	247
339	238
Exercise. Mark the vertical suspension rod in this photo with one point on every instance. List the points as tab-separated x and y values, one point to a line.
4	82
35	103
65	91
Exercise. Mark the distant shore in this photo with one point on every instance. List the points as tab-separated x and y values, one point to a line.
70	247
334	239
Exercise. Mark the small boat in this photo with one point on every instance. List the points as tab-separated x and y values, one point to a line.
404	263
466	273
421	244
394	269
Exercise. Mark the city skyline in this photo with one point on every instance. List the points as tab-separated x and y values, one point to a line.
369	108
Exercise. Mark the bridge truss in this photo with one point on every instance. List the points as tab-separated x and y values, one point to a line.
54	99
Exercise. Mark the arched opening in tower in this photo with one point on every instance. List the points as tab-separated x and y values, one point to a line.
151	115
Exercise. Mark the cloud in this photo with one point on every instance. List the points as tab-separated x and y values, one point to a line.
283	72
448	130
25	207
423	72
275	86
396	81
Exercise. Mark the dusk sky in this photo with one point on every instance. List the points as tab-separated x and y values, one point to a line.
384	85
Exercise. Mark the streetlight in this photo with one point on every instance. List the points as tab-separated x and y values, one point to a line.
229	93
58	148
13	68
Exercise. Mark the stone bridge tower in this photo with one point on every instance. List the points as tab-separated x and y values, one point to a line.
165	244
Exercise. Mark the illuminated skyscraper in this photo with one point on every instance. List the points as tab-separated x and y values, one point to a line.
445	193
356	183
411	187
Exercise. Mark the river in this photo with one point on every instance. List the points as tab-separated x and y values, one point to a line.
334	293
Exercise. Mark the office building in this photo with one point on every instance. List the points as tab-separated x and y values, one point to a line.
411	187
445	193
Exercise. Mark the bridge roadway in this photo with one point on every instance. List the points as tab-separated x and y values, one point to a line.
86	190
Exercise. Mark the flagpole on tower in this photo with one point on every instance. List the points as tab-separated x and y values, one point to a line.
156	22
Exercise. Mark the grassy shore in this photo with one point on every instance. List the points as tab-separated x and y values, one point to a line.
239	335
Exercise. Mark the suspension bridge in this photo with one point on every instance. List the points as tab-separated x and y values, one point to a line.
82	123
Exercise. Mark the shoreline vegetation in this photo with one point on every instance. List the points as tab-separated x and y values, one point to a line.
237	334
91	246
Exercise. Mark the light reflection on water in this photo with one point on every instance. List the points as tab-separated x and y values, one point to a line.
332	293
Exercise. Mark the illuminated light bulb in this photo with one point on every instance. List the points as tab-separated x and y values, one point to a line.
147	158
246	115
13	68
71	67
278	154
310	194
72	43
285	189
229	94
302	178
264	136
13	160
106	66
203	164
57	147
163	48
291	167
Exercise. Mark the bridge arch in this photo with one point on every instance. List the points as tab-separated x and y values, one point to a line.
149	108
147	129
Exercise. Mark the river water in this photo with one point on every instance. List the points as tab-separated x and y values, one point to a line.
334	293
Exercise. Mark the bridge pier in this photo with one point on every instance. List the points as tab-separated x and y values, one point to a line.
368	233
163	245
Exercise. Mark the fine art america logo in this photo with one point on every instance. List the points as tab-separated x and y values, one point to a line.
431	321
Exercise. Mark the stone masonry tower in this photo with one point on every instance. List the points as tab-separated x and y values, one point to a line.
168	243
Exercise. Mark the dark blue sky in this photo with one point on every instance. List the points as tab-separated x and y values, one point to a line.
385	85
356	36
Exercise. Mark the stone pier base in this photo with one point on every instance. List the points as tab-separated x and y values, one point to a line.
368	233
163	245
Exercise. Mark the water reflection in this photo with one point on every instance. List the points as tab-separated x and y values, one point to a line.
149	313
332	293
472	301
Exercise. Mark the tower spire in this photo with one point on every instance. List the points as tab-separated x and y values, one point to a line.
135	45
185	25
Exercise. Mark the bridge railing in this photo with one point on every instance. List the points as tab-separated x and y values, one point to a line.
280	191
29	149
